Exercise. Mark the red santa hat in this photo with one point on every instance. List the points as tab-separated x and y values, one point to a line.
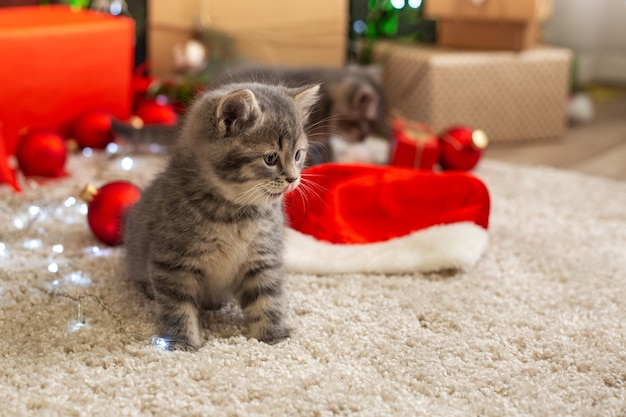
383	219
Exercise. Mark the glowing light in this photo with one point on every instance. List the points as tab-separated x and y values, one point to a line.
127	163
32	244
415	4
70	212
77	278
58	248
53	267
160	343
116	8
34	211
69	202
83	208
113	148
3	249
19	223
76	325
97	251
87	152
397	4
359	27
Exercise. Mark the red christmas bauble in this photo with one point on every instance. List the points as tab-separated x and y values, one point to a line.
41	153
93	130
107	208
155	112
461	148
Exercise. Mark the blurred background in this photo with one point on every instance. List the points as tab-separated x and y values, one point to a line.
523	45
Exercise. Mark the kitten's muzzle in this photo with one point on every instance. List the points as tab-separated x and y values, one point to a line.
292	184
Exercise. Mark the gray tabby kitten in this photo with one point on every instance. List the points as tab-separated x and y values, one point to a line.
210	226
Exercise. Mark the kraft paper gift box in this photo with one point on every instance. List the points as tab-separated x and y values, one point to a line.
488	24
510	95
290	33
57	63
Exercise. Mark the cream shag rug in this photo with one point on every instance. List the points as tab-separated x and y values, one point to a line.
537	327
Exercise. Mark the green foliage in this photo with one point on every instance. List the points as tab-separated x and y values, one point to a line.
76	4
382	19
385	21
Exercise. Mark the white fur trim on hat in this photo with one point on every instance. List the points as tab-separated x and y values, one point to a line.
449	246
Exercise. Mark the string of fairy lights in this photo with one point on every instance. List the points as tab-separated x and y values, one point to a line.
34	230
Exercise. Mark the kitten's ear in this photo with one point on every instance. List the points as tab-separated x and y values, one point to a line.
365	101
305	98
237	112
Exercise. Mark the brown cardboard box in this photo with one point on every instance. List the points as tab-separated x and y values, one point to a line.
511	35
510	95
275	32
488	10
488	24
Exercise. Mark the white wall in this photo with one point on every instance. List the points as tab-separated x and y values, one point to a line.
596	31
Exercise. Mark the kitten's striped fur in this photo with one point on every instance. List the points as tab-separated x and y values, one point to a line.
210	226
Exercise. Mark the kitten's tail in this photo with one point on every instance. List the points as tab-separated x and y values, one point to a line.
160	134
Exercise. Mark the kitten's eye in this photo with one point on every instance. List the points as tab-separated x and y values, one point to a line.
271	159
298	155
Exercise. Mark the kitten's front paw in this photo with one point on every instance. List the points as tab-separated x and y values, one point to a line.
182	345
274	335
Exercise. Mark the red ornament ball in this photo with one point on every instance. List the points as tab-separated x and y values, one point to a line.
41	153
107	208
156	112
461	148
93	130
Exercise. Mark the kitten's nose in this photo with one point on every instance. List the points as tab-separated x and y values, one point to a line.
291	179
292	186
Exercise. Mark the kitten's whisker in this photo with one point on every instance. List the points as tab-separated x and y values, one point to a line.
243	200
316	145
331	118
322	134
309	189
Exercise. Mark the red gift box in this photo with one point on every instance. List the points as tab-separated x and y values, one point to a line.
414	145
58	63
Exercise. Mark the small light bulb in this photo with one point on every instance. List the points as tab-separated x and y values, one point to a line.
76	325
69	202
18	222
34	210
78	278
359	27
53	267
160	343
32	244
58	248
127	163
112	148
116	8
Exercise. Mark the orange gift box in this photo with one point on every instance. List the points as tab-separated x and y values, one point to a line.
57	63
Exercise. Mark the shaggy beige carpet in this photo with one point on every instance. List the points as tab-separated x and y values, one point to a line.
537	327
